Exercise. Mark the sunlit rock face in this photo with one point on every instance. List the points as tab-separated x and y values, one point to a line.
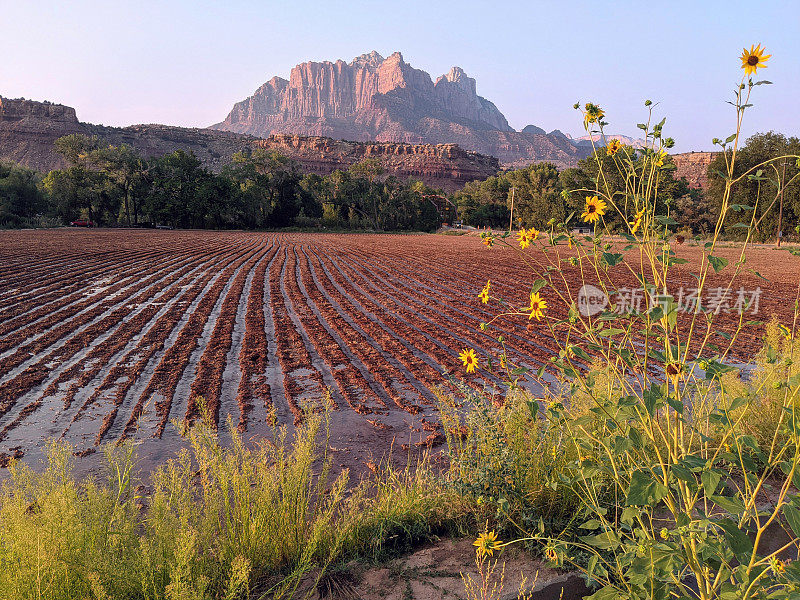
373	98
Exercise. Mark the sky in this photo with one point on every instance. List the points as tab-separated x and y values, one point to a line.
187	62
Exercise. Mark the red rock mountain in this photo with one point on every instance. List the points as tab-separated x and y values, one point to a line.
385	99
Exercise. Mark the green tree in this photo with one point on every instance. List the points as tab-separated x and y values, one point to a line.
173	198
125	168
484	203
537	195
270	184
78	188
762	193
20	195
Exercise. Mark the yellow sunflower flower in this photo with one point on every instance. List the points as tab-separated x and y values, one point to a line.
659	157
525	237
594	209
487	543
484	295
754	59
470	359
488	240
613	147
537	307
637	221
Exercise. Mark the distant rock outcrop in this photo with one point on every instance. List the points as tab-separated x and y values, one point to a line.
694	166
385	99
444	165
29	129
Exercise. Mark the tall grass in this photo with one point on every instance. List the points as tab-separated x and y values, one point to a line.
217	523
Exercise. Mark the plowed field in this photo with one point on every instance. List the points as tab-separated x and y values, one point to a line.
111	334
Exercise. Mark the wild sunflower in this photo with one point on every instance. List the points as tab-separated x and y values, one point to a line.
525	237
594	209
753	59
469	358
593	113
674	370
484	295
613	147
487	543
537	306
637	221
659	157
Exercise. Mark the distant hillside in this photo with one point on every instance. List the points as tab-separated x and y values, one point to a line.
29	129
386	99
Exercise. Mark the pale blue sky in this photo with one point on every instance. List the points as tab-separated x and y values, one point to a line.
186	63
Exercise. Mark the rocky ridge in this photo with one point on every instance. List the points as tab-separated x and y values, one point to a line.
28	130
387	100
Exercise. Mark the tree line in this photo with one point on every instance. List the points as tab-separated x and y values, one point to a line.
115	185
536	193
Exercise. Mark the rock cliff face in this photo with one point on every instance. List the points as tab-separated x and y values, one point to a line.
385	99
29	129
444	165
694	166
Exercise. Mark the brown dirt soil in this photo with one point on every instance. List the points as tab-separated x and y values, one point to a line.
107	334
435	573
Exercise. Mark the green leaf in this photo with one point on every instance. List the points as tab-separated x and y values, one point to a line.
793	517
591	524
537	285
736	403
533	407
717	262
608	592
757	274
612	259
609	332
608	540
666	220
739	541
676	405
644	490
651	398
714	368
710	479
591	567
728	503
